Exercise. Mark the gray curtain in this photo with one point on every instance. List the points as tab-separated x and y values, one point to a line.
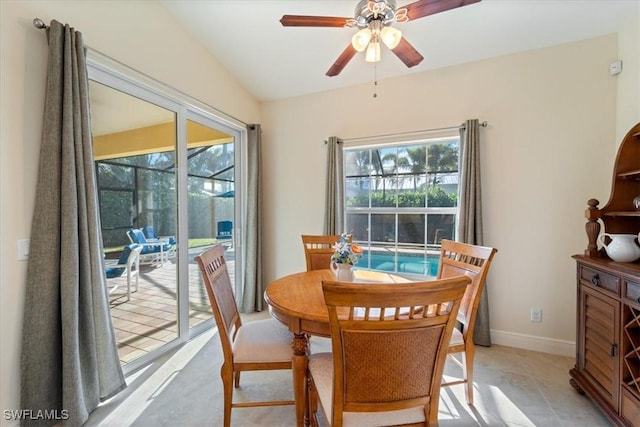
334	188
69	358
253	287
470	219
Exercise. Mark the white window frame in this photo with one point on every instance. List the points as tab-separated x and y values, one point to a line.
389	141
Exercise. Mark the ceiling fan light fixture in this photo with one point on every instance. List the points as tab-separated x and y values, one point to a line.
401	15
373	52
391	36
361	39
375	20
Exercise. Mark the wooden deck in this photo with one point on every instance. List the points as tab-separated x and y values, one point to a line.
149	319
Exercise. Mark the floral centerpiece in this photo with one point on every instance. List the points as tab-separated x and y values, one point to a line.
345	251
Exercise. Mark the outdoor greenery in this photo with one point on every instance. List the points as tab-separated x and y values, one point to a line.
401	176
436	197
140	190
415	177
402	163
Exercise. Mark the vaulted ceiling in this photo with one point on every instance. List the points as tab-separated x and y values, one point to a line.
276	62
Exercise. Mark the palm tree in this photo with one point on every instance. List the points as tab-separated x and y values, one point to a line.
441	158
417	160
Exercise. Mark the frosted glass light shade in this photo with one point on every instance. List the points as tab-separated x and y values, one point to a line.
361	39
373	52
390	36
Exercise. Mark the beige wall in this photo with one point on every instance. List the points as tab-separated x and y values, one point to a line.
628	111
554	116
140	34
549	148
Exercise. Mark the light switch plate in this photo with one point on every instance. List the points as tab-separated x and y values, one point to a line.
23	249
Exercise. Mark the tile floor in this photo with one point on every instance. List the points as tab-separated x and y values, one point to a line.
513	387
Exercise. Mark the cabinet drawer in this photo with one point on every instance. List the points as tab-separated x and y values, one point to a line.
630	407
600	279
632	292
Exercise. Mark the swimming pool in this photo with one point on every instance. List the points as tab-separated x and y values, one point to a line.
426	265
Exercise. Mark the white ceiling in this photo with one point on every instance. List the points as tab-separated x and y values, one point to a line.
276	62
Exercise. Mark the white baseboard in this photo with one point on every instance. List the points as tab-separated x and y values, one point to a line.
535	343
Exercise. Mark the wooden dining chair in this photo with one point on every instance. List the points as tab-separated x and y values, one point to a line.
318	250
389	349
474	261
255	346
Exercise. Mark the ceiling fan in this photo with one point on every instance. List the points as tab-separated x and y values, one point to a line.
374	18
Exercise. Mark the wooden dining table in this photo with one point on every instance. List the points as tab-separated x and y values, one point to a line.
297	301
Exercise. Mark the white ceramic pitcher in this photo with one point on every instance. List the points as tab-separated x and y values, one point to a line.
622	247
343	272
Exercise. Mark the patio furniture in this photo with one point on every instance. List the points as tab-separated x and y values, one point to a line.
129	264
254	346
151	236
152	252
318	250
474	261
389	350
225	229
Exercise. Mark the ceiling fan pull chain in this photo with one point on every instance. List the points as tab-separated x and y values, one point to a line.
375	80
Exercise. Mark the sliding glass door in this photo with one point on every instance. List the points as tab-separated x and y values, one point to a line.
211	205
168	173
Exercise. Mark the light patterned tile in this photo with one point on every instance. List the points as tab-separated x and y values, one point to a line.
513	388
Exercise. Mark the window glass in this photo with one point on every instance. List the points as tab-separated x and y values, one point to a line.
401	202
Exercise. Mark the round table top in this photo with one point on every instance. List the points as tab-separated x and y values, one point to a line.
297	299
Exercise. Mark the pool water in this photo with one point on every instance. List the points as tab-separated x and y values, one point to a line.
426	265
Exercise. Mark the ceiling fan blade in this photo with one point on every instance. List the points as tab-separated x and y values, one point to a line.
313	21
423	8
342	61
407	53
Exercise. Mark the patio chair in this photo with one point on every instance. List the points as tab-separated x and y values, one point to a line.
225	229
129	264
152	252
389	350
151	236
474	261
254	346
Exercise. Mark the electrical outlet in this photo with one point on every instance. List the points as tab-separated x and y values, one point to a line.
536	314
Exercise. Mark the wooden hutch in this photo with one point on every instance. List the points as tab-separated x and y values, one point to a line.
608	299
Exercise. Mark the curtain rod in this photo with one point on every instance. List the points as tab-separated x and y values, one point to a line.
462	126
40	25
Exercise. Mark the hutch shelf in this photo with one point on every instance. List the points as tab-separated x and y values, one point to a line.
607	365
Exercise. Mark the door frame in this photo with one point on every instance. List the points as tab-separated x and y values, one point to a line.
107	71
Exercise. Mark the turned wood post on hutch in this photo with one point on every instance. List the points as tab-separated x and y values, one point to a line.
607	366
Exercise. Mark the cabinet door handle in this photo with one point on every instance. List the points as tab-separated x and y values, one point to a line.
595	280
613	349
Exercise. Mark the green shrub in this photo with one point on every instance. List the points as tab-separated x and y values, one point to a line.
436	197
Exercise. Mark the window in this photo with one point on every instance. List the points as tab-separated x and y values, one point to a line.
401	200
